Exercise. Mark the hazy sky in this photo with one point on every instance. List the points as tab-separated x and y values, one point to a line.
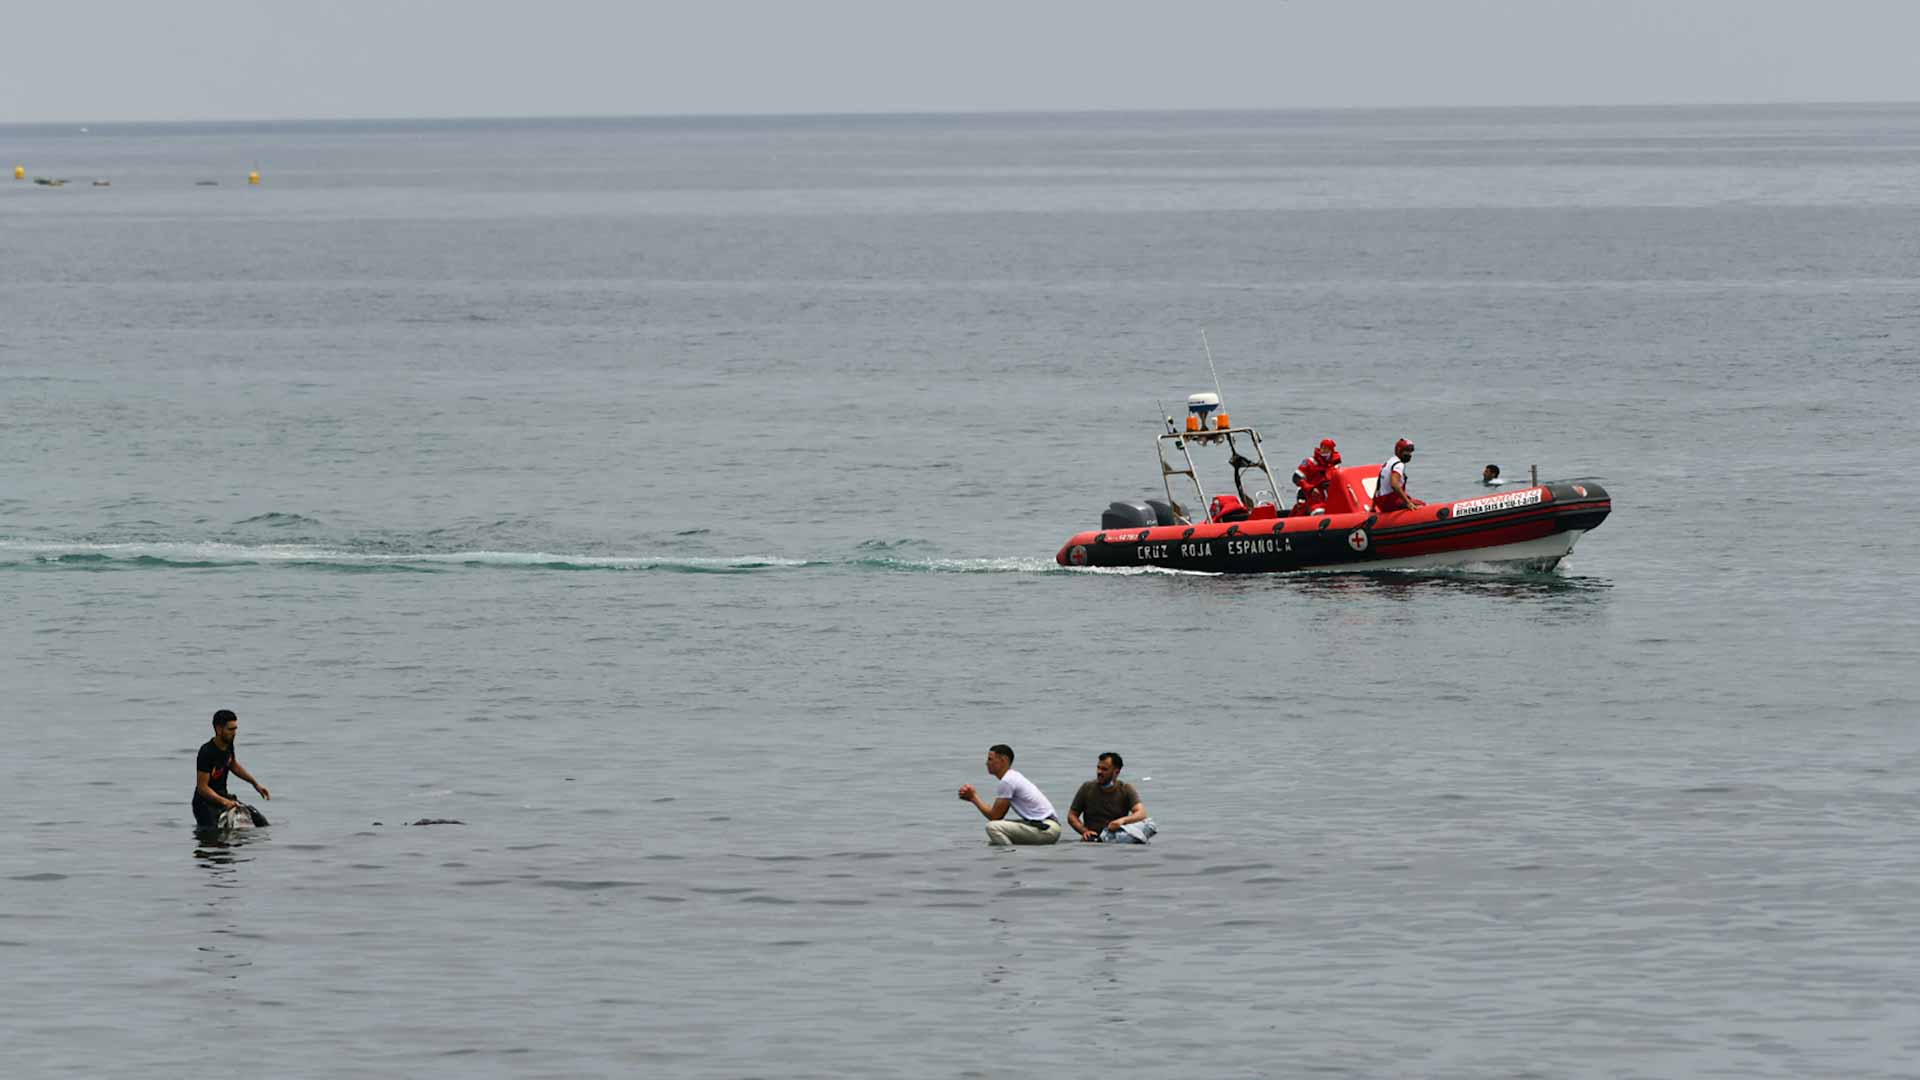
77	60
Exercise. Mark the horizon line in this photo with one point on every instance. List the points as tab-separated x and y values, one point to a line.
922	114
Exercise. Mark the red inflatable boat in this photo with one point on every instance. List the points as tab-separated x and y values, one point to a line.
1242	532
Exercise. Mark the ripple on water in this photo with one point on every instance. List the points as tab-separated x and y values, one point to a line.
587	886
39	877
1231	868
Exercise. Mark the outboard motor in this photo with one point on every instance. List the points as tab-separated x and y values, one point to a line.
1162	513
1129	515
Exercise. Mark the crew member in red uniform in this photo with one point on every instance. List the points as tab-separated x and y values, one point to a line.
1390	493
1312	475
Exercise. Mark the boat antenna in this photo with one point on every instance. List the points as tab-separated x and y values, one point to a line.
1210	367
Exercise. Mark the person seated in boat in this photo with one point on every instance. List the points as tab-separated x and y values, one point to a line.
1311	477
1490	476
1390	493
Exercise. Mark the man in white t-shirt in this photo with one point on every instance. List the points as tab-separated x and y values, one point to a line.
1390	491
1019	814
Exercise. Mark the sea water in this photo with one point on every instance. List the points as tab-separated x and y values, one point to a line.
673	503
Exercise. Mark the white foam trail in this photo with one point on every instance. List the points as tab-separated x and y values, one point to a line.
218	553
246	554
175	552
983	566
618	562
1133	571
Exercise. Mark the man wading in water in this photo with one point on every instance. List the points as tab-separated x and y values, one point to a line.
210	773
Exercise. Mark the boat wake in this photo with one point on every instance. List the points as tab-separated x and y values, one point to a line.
86	556
219	555
959	566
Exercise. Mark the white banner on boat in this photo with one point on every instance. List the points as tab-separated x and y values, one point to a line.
1487	504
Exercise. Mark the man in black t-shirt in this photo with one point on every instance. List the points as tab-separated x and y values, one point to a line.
210	772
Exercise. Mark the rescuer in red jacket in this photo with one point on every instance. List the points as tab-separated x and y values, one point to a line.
1311	477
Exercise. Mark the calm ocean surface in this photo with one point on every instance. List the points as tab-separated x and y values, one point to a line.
674	502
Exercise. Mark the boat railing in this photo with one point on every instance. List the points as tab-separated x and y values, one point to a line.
1241	463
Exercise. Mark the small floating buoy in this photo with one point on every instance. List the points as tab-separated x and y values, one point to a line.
254	177
19	172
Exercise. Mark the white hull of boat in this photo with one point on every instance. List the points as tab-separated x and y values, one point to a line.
1542	554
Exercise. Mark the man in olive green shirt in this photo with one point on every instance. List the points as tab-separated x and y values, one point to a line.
1106	810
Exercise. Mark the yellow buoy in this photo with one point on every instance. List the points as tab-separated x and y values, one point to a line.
253	177
19	172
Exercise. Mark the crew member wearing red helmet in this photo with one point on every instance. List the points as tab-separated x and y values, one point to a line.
1311	477
1390	492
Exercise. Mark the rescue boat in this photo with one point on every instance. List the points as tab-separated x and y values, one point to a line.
1529	527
